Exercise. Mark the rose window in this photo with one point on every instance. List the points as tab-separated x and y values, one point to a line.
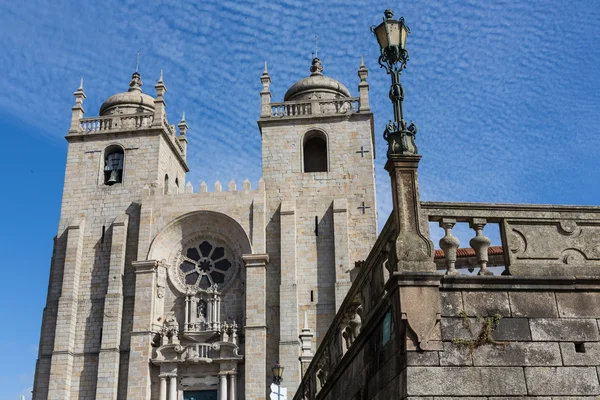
204	266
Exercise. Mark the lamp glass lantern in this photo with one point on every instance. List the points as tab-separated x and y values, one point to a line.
277	371
391	33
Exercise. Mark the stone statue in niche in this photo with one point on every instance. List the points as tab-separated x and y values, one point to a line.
201	311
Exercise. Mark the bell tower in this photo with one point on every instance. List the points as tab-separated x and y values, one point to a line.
318	166
112	159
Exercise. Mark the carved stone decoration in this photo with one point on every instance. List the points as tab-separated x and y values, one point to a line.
546	247
204	262
420	308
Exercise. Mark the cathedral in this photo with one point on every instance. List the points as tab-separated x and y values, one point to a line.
159	290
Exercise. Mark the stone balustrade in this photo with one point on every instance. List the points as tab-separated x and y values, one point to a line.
116	123
313	108
537	240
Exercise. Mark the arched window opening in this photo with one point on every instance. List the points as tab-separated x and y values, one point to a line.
315	154
166	187
113	165
177	184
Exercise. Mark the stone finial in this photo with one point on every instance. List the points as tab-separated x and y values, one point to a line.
261	184
265	94
183	126
77	110
363	87
135	84
203	187
160	116
232	186
306	337
189	188
316	68
218	187
160	86
247	185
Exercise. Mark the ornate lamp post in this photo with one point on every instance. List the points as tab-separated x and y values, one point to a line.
278	377
391	35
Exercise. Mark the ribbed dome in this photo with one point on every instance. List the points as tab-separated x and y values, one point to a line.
317	84
131	102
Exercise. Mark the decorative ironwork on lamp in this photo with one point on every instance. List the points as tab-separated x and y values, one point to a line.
391	35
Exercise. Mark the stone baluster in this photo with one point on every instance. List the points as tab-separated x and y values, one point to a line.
480	244
163	387
449	244
173	387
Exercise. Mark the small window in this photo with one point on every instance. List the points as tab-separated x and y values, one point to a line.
166	187
113	165
315	153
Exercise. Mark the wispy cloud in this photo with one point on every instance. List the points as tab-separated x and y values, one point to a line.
505	94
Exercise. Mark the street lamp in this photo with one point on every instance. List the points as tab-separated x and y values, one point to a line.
391	35
277	377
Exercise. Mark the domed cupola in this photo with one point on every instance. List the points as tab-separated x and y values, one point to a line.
131	102
316	86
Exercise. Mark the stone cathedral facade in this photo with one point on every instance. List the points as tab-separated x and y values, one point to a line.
160	291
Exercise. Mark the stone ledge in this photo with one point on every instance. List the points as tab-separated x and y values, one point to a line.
465	381
562	381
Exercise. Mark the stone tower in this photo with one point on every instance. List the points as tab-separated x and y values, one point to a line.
157	292
111	158
317	163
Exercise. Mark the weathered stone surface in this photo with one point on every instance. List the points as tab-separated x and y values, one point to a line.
571	356
511	329
565	381
465	381
452	303
455	355
533	304
578	305
564	330
422	358
519	398
518	354
486	303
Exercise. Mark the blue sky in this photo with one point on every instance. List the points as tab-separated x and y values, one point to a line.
506	96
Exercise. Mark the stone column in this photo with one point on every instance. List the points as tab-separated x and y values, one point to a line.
414	280
108	364
222	387
289	344
256	326
414	250
173	387
232	386
138	385
163	387
341	250
61	367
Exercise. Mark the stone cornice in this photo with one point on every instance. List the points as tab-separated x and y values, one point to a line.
144	266
255	260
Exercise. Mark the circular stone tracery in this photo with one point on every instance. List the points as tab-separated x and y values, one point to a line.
203	266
